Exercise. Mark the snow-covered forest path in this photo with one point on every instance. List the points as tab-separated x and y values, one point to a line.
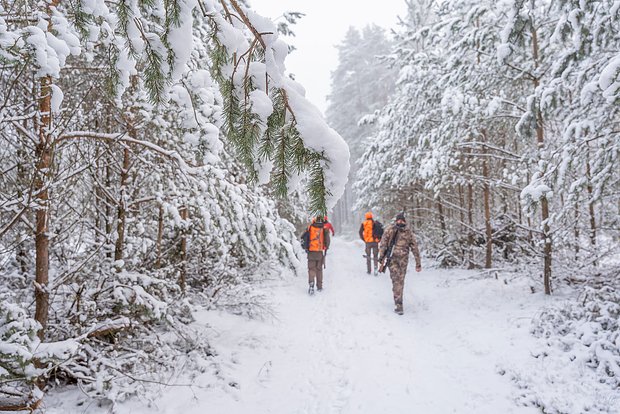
344	350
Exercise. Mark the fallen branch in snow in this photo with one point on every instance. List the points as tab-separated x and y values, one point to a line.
14	404
109	328
149	381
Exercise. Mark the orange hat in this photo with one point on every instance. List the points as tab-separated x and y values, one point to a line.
369	215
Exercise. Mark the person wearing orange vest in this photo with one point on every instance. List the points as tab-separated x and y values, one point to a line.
372	242
317	248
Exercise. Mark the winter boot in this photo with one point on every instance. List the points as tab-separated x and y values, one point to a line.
399	308
311	288
376	272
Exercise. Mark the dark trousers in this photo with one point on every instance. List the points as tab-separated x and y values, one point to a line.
372	248
315	269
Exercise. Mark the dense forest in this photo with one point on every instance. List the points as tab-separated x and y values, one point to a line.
500	134
146	149
495	127
157	159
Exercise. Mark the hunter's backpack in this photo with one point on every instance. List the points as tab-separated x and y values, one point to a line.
305	240
377	229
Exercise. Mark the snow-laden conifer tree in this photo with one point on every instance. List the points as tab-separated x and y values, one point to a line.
361	85
123	125
462	142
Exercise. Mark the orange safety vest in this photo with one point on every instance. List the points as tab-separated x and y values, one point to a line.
317	239
368	238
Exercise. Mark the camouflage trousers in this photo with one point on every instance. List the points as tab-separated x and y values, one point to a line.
398	269
315	269
372	248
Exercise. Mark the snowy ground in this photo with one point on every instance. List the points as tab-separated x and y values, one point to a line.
344	350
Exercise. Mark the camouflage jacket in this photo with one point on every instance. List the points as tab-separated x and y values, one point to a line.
404	243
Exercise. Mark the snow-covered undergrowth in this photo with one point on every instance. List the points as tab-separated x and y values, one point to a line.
577	365
117	332
124	339
345	351
588	330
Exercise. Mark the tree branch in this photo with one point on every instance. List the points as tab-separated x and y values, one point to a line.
248	23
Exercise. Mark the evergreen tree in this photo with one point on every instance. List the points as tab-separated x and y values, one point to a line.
360	87
485	128
135	135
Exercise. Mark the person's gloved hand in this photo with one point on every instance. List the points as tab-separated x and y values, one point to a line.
418	268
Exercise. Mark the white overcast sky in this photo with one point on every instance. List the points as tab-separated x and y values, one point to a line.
320	30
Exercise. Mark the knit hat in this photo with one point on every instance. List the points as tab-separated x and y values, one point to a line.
400	216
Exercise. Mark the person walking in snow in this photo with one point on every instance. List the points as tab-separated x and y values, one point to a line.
317	244
329	226
371	232
396	243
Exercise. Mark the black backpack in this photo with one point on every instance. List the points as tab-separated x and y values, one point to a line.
377	229
305	240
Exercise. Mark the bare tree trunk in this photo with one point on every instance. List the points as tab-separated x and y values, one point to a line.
462	209
547	248
576	230
544	202
591	205
122	208
108	212
43	167
442	219
462	215
131	120
183	275
21	252
470	220
160	235
488	263
99	205
418	214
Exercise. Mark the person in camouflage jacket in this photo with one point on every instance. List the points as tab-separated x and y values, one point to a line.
405	241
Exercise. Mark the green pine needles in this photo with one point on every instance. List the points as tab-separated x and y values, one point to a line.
267	148
278	142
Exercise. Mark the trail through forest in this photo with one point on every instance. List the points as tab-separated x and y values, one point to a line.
344	350
462	346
